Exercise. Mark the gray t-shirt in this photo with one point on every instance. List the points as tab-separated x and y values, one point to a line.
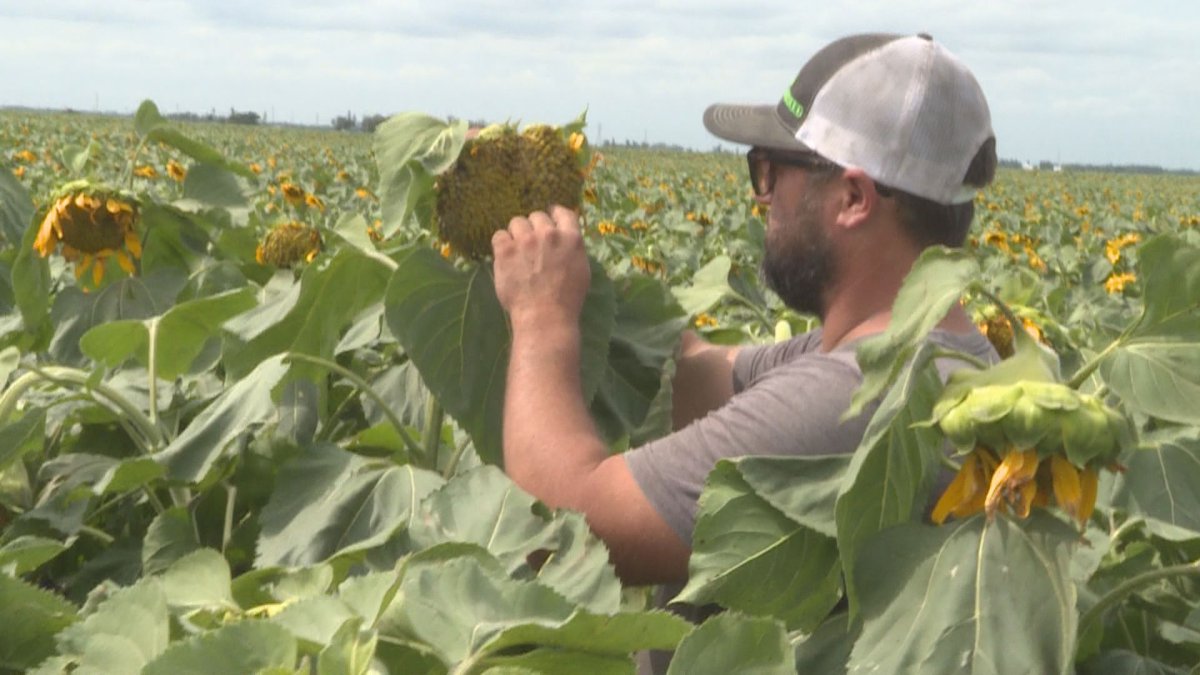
788	400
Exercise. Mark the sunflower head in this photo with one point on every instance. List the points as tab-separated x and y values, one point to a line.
288	244
89	223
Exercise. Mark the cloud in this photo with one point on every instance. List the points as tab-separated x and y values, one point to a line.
1057	74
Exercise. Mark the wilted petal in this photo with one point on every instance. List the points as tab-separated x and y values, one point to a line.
1017	469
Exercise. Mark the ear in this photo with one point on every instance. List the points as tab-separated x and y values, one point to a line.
859	198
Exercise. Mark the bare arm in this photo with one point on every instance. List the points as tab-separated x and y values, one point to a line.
703	379
551	448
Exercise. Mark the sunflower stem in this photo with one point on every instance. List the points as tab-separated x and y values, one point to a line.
455	458
1118	594
152	366
1090	367
434	418
63	376
415	451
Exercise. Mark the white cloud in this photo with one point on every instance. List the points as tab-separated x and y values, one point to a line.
1062	77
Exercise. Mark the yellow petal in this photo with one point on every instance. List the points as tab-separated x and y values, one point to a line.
82	266
957	492
1018	468
133	244
1023	500
124	261
98	271
1067	489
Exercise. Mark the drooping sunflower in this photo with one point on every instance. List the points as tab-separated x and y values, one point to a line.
1028	444
288	244
92	223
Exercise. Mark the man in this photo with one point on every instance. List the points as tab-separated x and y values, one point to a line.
874	153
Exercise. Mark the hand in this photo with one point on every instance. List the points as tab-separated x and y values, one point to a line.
542	272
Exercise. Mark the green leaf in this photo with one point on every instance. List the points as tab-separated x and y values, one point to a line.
368	594
128	474
212	185
710	285
729	643
23	436
16	208
245	647
410	148
452	327
446	604
152	126
1169	270
774	479
171	536
1160	484
596	327
644	337
199	580
889	474
32	616
1124	662
934	284
180	333
126	631
609	635
1158	376
350	651
827	649
555	661
147	118
331	296
972	596
352	228
484	507
315	620
236	411
578	566
30	271
26	553
329	501
749	557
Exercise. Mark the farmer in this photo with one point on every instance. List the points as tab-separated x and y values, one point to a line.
874	153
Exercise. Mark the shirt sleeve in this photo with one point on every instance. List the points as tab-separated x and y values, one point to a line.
791	409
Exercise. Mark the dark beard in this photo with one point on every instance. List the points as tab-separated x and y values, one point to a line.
799	264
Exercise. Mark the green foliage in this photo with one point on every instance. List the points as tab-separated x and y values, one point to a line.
220	460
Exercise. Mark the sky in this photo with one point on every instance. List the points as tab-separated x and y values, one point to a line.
1069	81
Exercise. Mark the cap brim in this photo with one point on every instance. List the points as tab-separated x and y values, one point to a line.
750	125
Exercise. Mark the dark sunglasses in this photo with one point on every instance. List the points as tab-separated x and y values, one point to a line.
762	175
762	160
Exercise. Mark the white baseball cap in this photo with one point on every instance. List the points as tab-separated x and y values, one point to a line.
901	108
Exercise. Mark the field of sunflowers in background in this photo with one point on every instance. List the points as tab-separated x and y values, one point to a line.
250	408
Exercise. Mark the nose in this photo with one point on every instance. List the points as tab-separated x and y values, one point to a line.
765	200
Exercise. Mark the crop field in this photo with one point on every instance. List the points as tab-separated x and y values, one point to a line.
250	410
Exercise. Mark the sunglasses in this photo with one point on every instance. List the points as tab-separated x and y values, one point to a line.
762	162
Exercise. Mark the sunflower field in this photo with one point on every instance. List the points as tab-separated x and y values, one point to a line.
250	412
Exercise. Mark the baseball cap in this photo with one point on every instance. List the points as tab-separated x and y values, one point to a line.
901	108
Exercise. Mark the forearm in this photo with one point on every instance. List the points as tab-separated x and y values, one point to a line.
550	443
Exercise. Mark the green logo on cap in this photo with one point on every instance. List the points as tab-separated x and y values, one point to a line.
792	104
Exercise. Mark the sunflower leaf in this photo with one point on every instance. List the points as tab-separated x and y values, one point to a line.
968	597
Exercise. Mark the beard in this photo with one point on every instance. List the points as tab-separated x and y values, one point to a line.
798	263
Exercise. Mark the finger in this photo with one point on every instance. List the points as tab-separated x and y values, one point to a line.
518	225
564	217
541	220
